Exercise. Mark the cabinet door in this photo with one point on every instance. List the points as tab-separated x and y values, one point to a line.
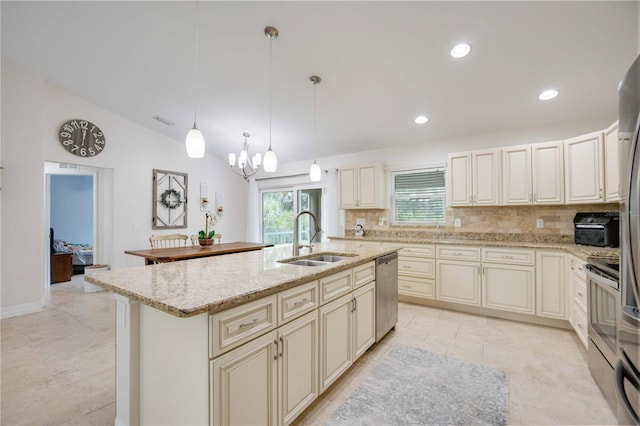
583	170
551	285
508	287
335	340
364	319
298	367
348	187
486	177
458	282
368	189
459	179
611	177
516	175
244	384
548	173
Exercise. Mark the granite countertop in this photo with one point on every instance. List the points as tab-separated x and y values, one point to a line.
577	250
211	284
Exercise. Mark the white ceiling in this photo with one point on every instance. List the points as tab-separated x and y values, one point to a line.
381	64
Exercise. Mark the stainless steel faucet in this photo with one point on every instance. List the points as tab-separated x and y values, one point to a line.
296	246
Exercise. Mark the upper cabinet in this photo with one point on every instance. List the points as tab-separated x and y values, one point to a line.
584	180
533	174
473	178
362	187
611	176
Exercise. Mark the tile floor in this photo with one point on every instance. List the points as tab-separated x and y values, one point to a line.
57	367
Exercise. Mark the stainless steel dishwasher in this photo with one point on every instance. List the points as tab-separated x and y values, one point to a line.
386	294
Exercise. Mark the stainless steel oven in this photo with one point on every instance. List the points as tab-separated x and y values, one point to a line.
604	305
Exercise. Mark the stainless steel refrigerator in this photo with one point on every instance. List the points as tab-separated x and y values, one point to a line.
627	369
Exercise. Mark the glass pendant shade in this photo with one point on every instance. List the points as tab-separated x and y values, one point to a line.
257	159
270	163
232	159
315	173
195	143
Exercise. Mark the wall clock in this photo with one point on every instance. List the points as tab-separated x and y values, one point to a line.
82	138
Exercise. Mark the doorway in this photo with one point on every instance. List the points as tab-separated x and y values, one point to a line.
279	208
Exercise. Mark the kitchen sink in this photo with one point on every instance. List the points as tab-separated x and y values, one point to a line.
318	259
307	262
330	258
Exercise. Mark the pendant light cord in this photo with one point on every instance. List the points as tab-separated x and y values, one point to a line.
314	121
270	101
195	95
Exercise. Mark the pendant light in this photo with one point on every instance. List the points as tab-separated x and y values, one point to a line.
270	162
195	140
315	173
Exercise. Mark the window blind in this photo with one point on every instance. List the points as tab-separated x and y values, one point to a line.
419	196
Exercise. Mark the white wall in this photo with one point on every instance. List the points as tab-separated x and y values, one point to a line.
32	112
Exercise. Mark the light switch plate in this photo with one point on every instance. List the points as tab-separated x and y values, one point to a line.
539	223
457	222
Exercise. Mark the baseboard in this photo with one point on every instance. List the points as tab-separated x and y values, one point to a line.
17	310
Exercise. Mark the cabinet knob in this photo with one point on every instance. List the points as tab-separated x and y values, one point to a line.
601	193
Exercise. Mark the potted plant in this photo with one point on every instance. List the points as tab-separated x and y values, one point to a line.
205	237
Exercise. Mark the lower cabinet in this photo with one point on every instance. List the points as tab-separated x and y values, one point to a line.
270	380
508	287
551	285
458	281
578	300
347	329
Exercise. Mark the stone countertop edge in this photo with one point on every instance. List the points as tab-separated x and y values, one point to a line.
206	285
575	249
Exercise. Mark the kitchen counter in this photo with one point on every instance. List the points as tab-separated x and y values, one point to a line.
213	284
577	250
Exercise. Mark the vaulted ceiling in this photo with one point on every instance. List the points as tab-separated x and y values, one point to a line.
381	63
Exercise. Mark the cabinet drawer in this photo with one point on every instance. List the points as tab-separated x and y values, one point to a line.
580	326
578	267
419	287
458	253
580	291
418	251
231	328
417	266
335	285
363	274
509	256
296	301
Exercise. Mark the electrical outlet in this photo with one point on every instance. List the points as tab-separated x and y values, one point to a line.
361	222
381	221
457	222
539	223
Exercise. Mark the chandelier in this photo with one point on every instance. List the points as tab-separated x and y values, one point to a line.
245	167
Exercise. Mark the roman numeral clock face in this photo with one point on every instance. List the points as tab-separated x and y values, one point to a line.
82	138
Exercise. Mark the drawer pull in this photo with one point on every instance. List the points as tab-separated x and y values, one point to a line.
507	256
248	324
300	302
406	286
406	266
457	253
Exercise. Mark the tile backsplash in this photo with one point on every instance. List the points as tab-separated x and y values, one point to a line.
558	220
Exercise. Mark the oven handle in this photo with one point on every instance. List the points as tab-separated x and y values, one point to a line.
621	374
602	279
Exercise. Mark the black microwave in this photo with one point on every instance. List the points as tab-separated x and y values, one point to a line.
597	229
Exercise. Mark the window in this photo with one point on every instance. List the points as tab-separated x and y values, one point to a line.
279	208
418	197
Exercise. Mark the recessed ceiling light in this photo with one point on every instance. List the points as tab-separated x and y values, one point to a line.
460	50
548	94
421	119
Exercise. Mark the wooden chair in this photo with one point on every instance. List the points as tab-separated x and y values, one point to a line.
168	241
217	237
194	239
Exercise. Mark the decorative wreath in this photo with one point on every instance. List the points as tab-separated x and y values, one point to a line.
171	203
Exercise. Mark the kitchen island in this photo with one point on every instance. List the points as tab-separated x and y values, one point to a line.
240	338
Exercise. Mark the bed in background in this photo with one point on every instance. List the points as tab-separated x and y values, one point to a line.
81	254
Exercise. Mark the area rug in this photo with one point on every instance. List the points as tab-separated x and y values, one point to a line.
411	386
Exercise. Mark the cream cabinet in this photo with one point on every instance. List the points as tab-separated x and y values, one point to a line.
458	281
611	167
347	329
533	174
584	180
473	178
579	307
362	187
270	380
508	279
551	285
416	271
